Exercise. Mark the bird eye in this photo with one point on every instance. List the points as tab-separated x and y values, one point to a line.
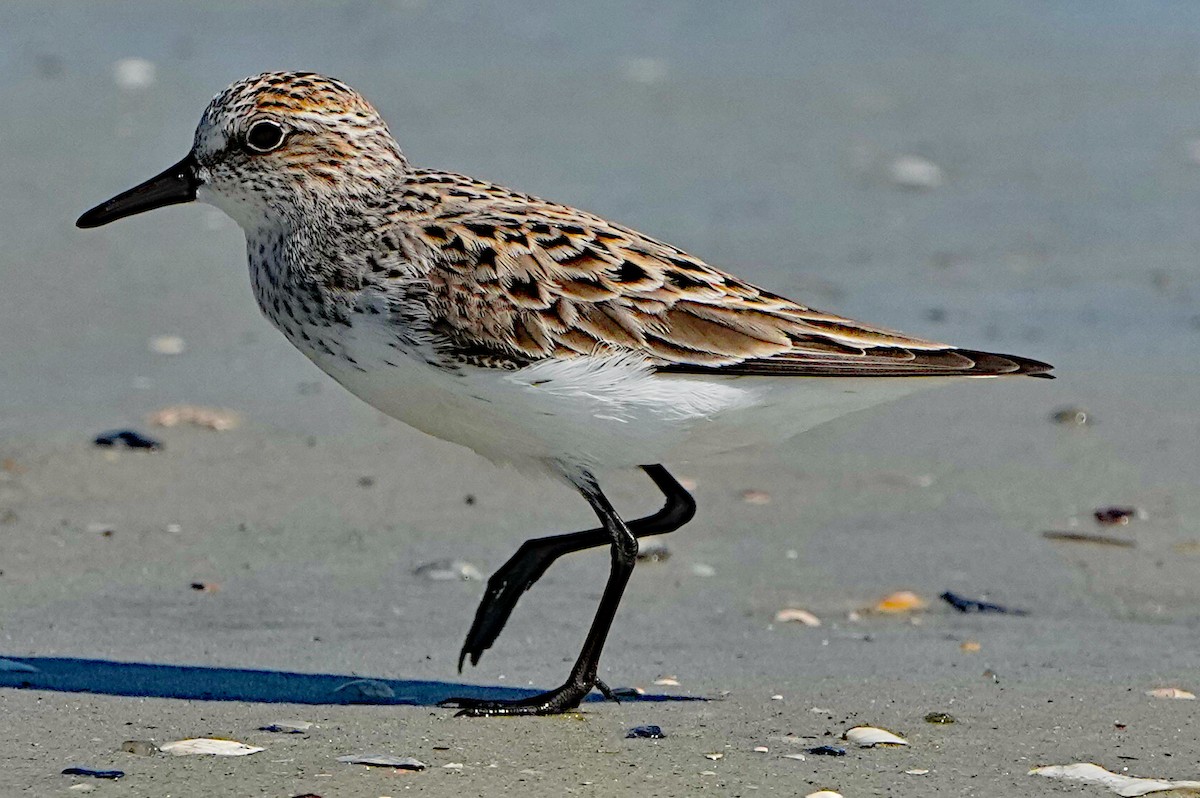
264	136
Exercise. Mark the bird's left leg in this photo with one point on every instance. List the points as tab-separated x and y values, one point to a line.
584	674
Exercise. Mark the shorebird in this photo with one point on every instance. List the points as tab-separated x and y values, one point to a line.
534	333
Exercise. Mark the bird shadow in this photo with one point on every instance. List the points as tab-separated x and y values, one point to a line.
197	683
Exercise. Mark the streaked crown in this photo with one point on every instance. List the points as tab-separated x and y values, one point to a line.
289	143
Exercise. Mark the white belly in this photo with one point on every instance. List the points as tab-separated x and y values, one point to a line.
596	413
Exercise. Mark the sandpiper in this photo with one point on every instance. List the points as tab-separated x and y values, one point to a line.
536	334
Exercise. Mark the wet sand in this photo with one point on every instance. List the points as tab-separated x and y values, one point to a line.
1063	229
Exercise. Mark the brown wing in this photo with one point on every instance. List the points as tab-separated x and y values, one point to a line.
518	279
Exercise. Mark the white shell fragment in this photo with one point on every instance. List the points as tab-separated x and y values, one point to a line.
383	761
209	746
133	74
824	794
869	736
797	615
448	571
1171	692
913	171
168	345
215	418
1128	786
287	727
916	772
667	681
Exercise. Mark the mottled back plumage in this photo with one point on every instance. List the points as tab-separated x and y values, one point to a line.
493	278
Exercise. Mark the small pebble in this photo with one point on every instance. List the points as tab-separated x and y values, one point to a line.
1113	516
645	733
826	750
1071	417
974	605
384	761
667	681
139	747
205	587
95	774
714	756
127	438
939	717
970	646
797	757
917	771
628	692
761	749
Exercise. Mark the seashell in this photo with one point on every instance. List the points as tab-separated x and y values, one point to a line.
287	726
366	691
756	497
1171	692
167	345
900	601
448	571
383	761
1128	786
761	749
209	746
214	418
824	794
714	756
667	681
916	772
797	615
870	736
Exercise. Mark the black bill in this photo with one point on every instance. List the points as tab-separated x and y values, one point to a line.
175	185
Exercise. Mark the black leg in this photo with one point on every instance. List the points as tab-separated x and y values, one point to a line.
525	567
583	676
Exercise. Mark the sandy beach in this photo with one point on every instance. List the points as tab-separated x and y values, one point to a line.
1022	178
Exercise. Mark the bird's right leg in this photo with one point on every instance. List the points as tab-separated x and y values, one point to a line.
525	567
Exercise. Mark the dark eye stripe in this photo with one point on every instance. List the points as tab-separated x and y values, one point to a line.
264	136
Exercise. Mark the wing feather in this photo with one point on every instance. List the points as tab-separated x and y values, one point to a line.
527	280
